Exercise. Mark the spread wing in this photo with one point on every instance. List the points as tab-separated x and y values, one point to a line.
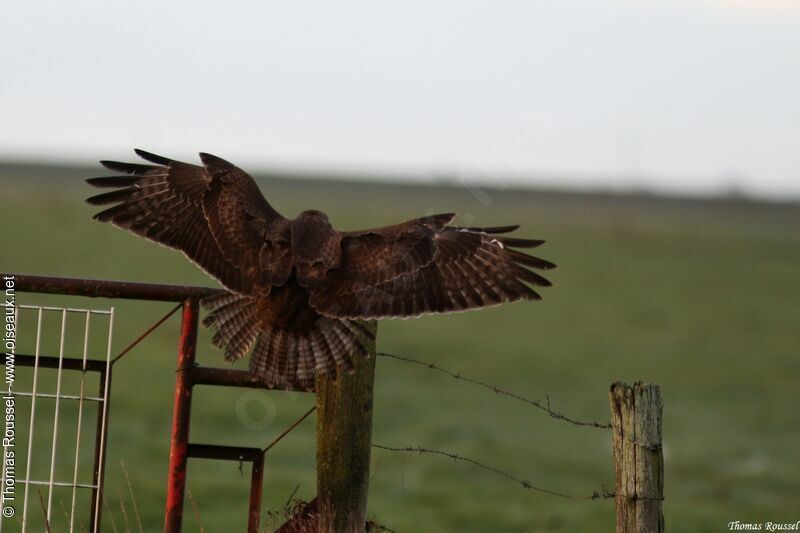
215	214
425	266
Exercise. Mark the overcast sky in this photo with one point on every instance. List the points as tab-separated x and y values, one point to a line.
684	95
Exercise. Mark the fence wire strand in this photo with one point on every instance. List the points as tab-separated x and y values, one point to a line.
546	407
596	495
147	332
288	430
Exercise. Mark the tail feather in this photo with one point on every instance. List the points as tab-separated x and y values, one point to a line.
305	362
218	305
259	357
345	348
289	356
271	361
358	329
346	335
323	355
292	354
231	327
237	323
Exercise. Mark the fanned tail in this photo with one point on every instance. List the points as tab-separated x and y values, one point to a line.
284	356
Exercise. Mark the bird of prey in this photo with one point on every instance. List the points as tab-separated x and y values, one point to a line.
299	288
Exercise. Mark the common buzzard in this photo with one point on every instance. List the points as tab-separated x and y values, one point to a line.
298	287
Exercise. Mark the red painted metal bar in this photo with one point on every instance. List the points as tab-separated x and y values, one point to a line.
178	453
256	482
225	453
236	453
201	375
95	288
67	363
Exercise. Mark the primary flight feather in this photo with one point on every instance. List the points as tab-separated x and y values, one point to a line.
298	286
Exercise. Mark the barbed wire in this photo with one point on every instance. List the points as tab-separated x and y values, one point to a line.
603	493
596	495
546	407
288	430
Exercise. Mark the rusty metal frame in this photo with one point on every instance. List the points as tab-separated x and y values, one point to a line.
188	375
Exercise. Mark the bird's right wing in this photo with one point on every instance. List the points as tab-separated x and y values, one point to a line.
215	214
426	266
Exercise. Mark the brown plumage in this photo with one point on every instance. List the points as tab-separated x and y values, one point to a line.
299	287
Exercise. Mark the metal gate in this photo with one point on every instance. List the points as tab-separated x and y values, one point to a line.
39	363
188	375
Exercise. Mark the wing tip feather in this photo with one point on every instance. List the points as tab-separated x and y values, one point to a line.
153	158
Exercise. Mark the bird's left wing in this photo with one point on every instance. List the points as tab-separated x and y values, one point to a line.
426	266
215	214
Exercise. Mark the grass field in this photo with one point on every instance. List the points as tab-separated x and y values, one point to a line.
700	297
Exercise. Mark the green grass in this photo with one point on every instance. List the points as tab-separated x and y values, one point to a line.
700	297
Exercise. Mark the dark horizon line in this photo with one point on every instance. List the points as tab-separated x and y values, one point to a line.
445	179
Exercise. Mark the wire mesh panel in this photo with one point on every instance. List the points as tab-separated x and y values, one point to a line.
60	395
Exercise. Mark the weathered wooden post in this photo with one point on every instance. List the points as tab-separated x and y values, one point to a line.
344	433
638	458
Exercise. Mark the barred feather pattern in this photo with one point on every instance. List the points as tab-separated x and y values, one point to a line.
214	214
301	286
285	355
407	271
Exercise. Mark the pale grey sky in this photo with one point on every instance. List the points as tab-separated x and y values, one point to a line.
683	95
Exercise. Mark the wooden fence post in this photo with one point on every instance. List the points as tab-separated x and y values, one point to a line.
344	434
638	458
